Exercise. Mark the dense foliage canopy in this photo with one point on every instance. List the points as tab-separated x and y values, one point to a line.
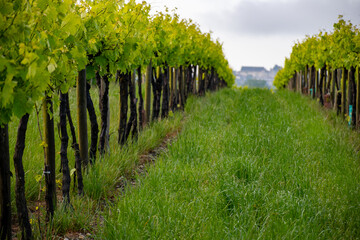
45	43
337	49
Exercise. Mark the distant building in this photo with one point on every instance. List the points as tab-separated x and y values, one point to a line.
252	69
256	73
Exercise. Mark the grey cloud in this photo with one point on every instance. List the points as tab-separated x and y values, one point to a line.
284	17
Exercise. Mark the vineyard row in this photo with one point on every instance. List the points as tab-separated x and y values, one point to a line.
48	47
326	67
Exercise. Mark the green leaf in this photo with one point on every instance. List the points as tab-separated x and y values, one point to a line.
6	8
32	71
90	72
79	55
21	104
51	42
56	101
3	62
102	61
7	91
71	23
64	88
17	5
5	115
51	68
42	4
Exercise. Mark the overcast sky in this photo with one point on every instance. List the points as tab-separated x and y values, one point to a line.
262	32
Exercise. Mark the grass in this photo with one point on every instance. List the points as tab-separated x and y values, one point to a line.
248	164
101	179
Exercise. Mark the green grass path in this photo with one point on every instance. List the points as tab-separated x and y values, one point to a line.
248	164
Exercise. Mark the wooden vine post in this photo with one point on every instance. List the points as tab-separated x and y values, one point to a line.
5	200
333	86
176	89
141	100
105	114
21	206
351	97
300	86
75	147
82	117
306	81
343	91
93	125
123	99
148	93
132	123
49	144
165	95
172	88
312	81
64	138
